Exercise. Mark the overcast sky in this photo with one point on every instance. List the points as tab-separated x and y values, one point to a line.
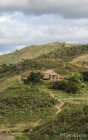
26	22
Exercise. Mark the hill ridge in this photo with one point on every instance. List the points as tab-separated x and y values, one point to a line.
29	52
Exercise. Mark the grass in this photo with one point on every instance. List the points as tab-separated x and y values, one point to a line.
59	59
21	137
72	120
29	52
30	109
25	104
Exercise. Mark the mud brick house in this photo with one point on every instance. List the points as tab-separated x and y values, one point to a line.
51	75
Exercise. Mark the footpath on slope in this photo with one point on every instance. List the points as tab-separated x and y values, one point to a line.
59	105
61	102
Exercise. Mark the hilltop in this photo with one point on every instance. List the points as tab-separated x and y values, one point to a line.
33	51
29	52
63	58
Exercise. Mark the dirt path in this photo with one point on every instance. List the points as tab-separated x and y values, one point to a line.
61	102
59	105
6	137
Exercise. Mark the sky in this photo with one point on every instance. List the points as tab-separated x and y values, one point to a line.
26	22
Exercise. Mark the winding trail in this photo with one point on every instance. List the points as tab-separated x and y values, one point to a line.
61	102
59	105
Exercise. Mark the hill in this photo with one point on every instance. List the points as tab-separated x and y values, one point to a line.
64	60
29	52
32	109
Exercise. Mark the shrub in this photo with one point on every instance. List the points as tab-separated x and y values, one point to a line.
34	77
72	85
75	83
61	85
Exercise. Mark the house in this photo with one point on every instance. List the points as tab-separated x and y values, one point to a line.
51	75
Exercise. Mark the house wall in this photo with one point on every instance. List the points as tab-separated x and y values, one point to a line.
54	77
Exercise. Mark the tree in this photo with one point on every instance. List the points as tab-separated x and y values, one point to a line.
75	83
34	77
60	85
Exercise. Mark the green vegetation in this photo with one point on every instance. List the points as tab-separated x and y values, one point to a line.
24	103
72	120
34	78
58	60
22	137
72	85
34	111
29	52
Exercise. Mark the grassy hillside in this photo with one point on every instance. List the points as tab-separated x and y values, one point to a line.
69	124
61	59
24	104
29	52
81	61
31	109
64	60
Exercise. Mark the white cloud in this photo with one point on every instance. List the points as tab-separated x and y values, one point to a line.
25	22
17	29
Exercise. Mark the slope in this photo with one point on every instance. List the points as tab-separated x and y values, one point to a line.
24	105
81	61
29	52
59	59
70	124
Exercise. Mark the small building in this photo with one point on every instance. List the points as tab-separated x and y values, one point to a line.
51	75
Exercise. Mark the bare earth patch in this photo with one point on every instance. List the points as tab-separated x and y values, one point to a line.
80	61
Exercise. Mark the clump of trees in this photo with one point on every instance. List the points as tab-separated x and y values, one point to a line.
34	78
12	69
74	84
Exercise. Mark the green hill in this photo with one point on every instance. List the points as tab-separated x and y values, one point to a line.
33	51
32	109
61	58
29	52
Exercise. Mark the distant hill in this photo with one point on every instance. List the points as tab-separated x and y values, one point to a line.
29	52
63	58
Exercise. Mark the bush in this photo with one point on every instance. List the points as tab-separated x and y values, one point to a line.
72	85
34	77
61	85
75	83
